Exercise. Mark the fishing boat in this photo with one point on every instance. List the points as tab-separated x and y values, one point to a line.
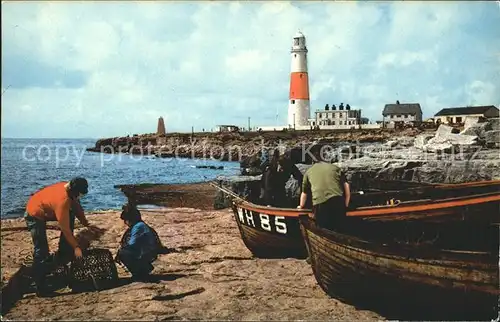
200	195
408	280
472	201
271	232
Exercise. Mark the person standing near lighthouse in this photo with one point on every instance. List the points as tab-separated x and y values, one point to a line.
298	105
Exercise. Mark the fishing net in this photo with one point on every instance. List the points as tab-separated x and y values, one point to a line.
96	270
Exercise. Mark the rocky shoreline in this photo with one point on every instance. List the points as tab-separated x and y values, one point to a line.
230	146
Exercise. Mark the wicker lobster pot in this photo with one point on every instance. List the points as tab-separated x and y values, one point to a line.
96	270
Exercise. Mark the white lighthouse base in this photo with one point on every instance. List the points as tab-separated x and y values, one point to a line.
298	113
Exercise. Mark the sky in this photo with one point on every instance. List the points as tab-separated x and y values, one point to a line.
105	69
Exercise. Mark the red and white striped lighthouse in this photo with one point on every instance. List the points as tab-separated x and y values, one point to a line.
298	107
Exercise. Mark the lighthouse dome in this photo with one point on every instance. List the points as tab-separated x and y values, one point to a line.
299	35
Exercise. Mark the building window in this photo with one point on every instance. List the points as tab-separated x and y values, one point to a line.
295	41
340	115
392	116
458	119
333	122
292	101
295	55
406	116
399	116
319	115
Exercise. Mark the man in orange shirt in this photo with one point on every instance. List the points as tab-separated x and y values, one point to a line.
58	202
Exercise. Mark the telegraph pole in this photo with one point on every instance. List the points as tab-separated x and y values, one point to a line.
249	123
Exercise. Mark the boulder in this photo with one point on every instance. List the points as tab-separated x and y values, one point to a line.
477	129
360	172
445	129
248	187
406	141
439	147
494	123
471	121
421	140
457	171
492	138
443	141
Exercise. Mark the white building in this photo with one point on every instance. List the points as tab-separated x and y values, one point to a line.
405	112
459	114
337	117
226	128
299	106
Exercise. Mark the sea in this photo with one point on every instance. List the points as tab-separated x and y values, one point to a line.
28	165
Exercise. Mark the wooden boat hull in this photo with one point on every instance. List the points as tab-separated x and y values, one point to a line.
414	278
268	235
199	195
260	226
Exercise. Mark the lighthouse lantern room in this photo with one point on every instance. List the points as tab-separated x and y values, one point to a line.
298	105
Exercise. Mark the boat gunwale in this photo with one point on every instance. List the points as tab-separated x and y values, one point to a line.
372	211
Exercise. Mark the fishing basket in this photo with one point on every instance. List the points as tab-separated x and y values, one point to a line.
56	275
96	270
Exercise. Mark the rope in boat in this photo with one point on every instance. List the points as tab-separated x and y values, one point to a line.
213	183
227	191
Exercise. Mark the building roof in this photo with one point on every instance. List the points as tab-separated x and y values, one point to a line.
465	110
405	108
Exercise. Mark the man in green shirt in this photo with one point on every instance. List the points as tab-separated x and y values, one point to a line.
329	190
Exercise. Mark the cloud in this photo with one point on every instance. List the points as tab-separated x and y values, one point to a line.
108	69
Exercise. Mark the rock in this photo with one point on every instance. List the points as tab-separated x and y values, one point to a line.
445	129
445	141
213	167
406	141
478	129
494	123
492	138
421	140
471	121
399	142
248	187
391	143
360	172
457	171
439	147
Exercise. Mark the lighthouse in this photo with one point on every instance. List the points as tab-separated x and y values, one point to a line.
298	105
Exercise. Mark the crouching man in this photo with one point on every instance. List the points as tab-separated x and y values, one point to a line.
139	246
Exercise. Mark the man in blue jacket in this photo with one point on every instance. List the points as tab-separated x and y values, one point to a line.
139	246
